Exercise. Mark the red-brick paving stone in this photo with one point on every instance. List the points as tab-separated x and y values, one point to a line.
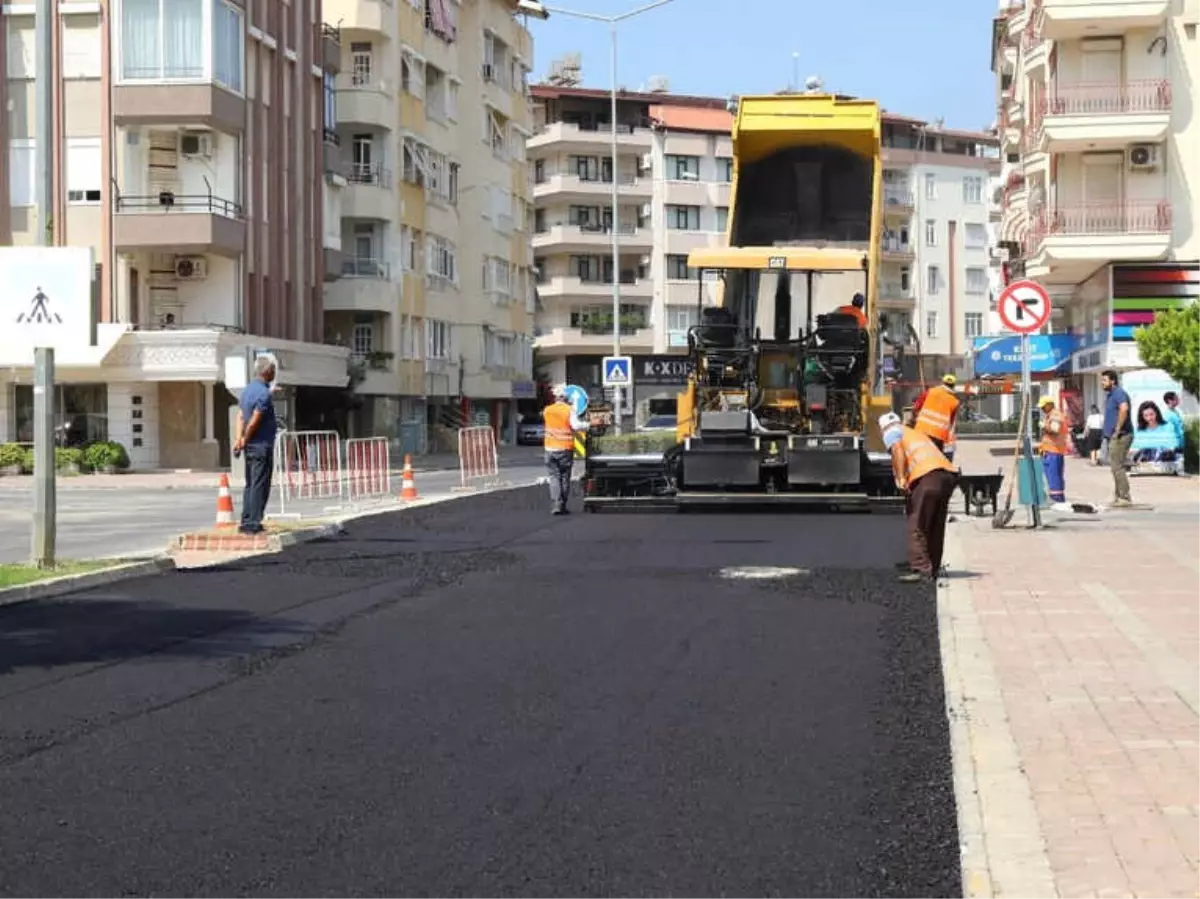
1093	633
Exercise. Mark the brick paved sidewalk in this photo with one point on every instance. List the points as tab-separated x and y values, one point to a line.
1072	657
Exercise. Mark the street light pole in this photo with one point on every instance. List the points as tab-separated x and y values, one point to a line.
542	11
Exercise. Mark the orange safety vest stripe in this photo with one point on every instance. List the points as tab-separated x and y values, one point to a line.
921	456
937	413
558	436
1056	443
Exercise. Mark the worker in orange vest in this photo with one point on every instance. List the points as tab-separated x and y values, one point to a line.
560	423
928	480
855	308
1055	447
936	412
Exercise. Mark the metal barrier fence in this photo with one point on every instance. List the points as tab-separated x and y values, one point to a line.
477	457
368	468
308	465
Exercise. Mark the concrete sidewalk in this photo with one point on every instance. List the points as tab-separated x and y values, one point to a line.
1071	657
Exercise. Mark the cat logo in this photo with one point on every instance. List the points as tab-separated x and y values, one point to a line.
777	262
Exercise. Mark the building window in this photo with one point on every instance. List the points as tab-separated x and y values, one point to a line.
677	269
162	40
683	218
330	105
362	340
931	324
722	218
973	324
977	280
362	61
724	169
975	237
22	161
905	280
229	50
80	48
83	170
930	186
682	168
681	318
586	268
930	232
437	335
933	279
973	189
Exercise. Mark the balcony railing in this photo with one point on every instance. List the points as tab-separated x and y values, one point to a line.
1109	98
1103	218
358	267
185	203
896	246
897	196
369	173
628	326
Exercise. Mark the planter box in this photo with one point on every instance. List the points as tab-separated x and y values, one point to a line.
11	471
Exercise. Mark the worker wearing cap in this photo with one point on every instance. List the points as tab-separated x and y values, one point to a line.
936	412
1055	447
561	423
855	308
928	481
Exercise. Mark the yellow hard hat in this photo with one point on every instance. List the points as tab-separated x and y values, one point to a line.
1046	401
949	380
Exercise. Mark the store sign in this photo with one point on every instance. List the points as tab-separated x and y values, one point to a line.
524	390
1002	355
1088	361
49	299
661	370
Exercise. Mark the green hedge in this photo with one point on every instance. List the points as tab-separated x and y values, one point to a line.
1191	445
632	444
95	456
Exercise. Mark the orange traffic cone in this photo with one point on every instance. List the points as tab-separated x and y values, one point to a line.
224	503
408	487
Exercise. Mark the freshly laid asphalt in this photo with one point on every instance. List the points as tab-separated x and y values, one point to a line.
477	698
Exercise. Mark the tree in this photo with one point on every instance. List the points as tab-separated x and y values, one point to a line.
1172	343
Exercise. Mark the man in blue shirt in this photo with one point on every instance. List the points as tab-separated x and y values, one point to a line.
1118	428
255	437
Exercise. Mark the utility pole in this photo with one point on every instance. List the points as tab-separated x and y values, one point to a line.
45	503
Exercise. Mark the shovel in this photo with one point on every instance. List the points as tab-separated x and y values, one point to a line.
1004	516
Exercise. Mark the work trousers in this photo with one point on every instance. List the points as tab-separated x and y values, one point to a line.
558	466
1055	467
928	506
1118	453
260	458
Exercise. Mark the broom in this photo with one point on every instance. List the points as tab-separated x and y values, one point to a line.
1004	516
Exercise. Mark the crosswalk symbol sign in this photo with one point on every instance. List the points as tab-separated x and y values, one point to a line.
617	371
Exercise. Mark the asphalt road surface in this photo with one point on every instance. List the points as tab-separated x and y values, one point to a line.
136	521
477	698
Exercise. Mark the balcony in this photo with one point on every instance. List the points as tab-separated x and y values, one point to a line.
590	238
1085	235
569	286
371	16
178	223
572	187
196	104
1069	19
892	295
896	251
368	193
1101	116
566	136
365	286
898	201
593	339
364	105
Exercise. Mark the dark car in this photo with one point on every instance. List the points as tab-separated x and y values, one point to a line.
530	432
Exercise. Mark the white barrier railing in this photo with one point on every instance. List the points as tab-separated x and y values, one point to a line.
308	465
368	468
477	458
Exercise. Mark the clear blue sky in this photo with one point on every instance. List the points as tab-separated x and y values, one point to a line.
924	58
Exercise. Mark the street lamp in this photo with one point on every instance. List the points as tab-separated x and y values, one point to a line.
542	11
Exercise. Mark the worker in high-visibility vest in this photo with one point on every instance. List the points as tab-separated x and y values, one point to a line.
928	481
936	412
1055	447
560	423
855	308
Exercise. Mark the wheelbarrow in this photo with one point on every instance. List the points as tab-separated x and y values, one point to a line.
980	491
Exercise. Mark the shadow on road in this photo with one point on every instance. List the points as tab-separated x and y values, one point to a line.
57	633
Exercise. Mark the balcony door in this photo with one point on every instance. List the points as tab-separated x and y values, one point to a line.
1103	193
360	158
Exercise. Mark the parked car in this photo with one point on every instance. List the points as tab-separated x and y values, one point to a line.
530	432
659	423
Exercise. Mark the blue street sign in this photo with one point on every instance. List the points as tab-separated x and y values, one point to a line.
577	397
617	371
1002	355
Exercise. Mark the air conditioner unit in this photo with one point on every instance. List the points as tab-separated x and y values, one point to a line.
196	143
1143	157
191	268
647	163
647	211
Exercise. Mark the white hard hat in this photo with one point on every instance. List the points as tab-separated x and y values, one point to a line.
559	390
889	420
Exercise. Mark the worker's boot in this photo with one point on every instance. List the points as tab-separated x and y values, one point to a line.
915	577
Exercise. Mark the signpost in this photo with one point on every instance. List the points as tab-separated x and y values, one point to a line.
1024	307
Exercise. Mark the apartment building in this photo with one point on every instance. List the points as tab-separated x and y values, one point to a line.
674	175
190	149
1100	141
432	292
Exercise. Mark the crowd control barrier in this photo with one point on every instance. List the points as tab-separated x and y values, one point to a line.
368	468
308	465
478	461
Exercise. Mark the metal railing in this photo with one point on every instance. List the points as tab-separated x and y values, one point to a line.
1109	98
187	203
368	468
308	466
354	267
1095	218
478	460
895	246
897	196
372	173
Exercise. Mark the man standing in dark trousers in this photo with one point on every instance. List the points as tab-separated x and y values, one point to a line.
1118	428
561	423
928	481
255	437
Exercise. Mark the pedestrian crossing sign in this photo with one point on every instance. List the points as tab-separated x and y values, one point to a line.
617	371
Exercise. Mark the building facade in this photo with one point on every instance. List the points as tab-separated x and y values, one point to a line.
431	291
674	174
190	148
1100	141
